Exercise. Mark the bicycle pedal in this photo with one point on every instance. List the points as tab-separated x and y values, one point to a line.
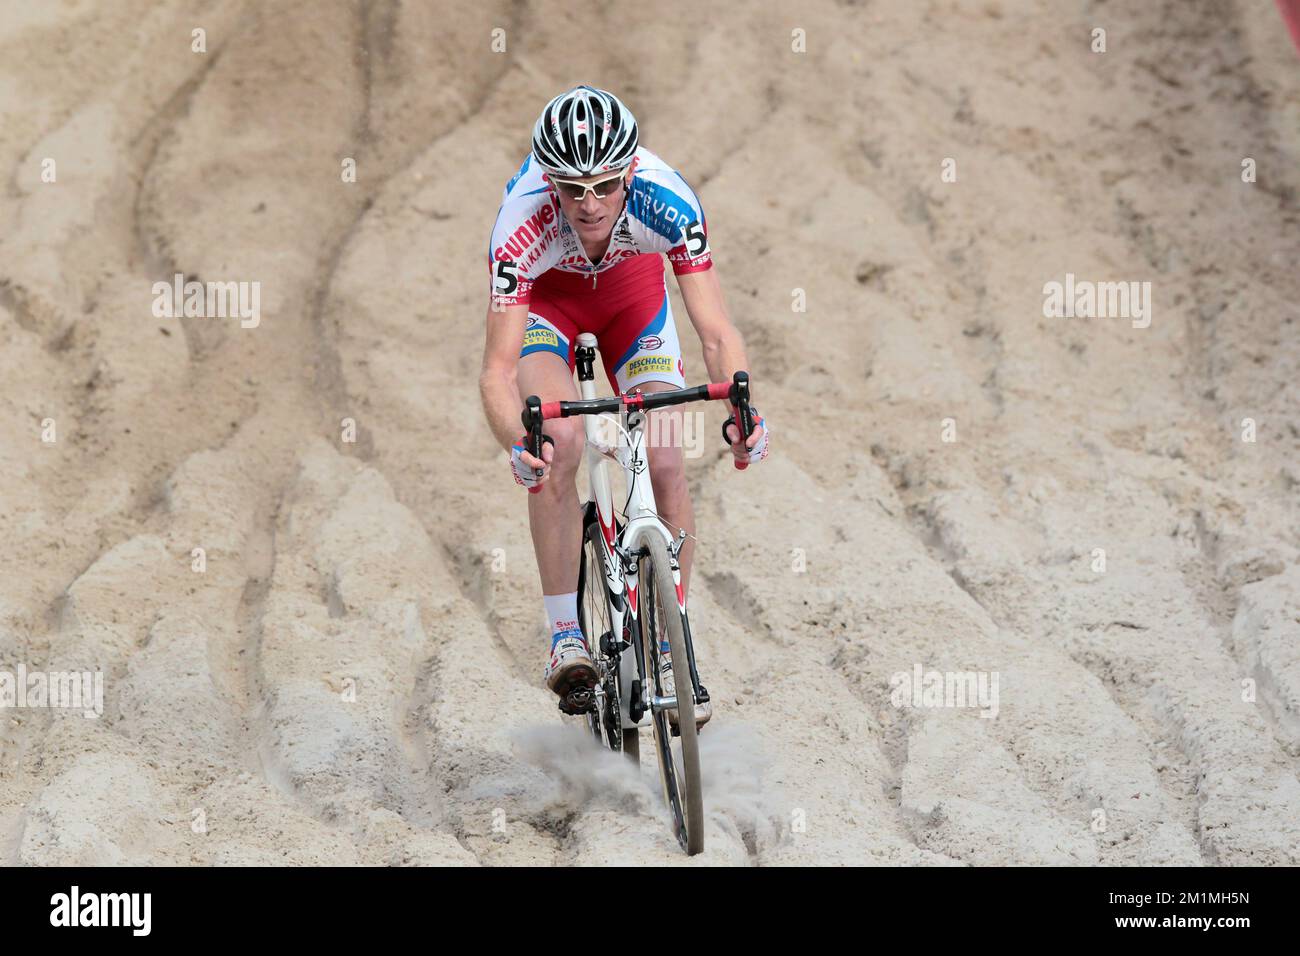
578	701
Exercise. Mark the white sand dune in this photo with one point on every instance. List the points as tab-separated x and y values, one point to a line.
355	676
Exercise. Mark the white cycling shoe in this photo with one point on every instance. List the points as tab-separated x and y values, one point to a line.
703	709
571	674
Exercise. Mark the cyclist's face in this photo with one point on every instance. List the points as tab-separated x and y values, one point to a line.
593	218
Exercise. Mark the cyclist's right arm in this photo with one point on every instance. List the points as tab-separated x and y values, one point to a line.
498	386
498	381
524	222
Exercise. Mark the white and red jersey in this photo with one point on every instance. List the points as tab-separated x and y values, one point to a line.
661	214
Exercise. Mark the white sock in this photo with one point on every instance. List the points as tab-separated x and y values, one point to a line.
562	615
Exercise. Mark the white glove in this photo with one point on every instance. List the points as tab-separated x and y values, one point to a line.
760	449
526	474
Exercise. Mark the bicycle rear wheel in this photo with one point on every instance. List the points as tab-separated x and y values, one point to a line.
679	767
605	721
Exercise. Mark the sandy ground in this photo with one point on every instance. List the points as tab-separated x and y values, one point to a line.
355	675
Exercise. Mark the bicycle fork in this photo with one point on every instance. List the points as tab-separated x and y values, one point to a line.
630	561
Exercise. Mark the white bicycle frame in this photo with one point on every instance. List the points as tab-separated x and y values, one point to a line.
642	521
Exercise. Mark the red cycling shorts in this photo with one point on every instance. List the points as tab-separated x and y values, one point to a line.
626	308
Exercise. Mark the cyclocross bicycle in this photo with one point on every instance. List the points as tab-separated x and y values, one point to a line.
630	601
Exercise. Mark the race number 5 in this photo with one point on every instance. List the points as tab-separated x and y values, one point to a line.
505	278
697	243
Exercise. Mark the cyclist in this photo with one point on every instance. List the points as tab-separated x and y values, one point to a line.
577	247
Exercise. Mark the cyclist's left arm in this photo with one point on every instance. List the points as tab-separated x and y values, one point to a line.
697	277
724	349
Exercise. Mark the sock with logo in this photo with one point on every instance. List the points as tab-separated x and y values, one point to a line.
562	615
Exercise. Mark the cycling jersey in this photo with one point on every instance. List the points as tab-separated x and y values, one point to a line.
661	214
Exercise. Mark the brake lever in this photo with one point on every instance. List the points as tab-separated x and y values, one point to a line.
532	419
742	414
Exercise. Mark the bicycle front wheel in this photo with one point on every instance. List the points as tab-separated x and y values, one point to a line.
679	765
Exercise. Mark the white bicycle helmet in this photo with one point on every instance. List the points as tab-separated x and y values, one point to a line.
583	132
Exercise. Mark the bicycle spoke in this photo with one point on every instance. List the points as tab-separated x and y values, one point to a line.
604	720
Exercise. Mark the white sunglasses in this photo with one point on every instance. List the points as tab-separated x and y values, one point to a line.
578	191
